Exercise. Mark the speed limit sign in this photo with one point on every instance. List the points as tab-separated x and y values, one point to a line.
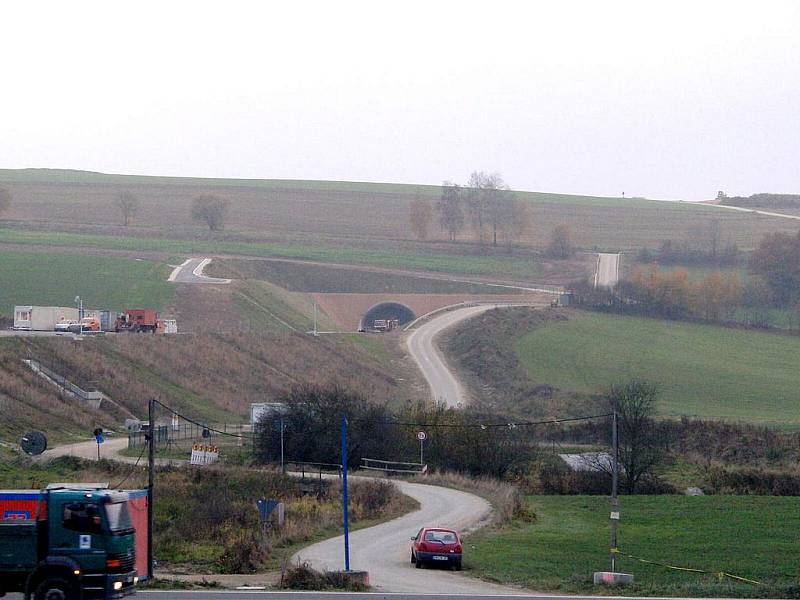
422	436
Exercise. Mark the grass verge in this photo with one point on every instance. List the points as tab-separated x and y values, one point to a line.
750	536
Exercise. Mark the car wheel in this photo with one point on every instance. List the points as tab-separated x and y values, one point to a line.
418	564
458	565
413	560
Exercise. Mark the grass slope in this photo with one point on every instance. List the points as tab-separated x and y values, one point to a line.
754	537
498	265
702	370
103	282
348	212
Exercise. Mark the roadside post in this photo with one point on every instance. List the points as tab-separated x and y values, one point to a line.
614	491
344	495
151	467
422	436
98	437
613	577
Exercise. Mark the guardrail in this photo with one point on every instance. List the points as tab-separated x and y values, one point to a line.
393	466
313	467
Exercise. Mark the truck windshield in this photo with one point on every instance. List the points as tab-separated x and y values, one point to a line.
119	519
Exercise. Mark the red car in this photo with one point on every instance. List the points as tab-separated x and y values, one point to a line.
435	545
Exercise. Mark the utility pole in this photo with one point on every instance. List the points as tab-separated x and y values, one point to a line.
151	460
283	465
315	317
344	495
614	496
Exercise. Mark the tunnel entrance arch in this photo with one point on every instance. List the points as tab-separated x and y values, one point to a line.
386	311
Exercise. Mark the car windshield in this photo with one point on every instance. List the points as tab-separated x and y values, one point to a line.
445	537
119	519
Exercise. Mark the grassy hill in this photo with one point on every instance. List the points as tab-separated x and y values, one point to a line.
702	370
208	376
54	279
370	216
547	363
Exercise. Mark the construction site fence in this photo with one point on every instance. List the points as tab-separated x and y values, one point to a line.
165	434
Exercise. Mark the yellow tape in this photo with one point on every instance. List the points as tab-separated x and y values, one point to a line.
720	574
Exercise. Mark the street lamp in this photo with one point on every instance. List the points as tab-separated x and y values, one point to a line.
79	302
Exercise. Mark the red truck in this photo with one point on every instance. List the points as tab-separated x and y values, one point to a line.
137	320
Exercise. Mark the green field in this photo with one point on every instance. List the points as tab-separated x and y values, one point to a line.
510	266
702	370
753	537
46	279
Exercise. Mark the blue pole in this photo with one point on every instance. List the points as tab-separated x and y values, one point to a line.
344	495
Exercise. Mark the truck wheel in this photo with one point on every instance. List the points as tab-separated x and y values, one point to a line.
54	589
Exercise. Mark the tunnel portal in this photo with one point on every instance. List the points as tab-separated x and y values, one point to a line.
384	313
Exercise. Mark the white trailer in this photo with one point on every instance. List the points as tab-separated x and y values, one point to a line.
43	318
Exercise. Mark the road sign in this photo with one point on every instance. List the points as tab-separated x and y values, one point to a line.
422	436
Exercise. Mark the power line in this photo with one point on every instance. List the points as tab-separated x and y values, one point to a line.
133	468
475	425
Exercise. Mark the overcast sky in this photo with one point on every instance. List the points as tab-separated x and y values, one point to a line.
657	99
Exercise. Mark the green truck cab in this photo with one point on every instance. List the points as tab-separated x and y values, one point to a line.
67	544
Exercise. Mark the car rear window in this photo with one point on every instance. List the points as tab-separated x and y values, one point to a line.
446	537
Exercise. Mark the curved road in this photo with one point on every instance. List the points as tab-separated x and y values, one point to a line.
191	271
422	347
384	550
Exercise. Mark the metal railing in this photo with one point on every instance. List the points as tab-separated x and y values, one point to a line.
394	466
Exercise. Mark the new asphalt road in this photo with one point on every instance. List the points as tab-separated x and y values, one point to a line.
191	271
385	550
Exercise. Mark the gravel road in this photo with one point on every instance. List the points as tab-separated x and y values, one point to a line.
385	550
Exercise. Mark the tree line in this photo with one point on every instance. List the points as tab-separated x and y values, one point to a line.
485	203
465	440
666	294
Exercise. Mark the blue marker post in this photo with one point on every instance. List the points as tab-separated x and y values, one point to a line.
344	495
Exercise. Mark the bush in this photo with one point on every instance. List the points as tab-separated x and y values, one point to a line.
303	577
749	481
243	553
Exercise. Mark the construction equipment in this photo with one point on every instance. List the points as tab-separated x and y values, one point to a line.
137	320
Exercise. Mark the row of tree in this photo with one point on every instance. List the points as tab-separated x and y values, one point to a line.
486	203
668	294
462	440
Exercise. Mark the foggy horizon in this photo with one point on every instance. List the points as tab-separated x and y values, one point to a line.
665	101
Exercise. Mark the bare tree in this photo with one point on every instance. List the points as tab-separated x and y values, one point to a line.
211	210
128	205
560	245
488	200
639	447
5	199
516	220
419	217
451	212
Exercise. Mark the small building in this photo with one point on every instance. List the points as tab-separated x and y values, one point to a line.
43	318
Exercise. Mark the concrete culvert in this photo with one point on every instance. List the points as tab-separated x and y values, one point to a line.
386	316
